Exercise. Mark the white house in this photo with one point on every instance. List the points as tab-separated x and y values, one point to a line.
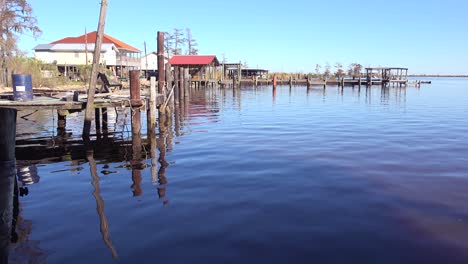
67	53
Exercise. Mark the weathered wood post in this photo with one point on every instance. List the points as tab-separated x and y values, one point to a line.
61	122
152	105
97	119
187	82
7	178
182	84
135	100
239	73
290	81
274	81
170	91
105	121
93	79
176	85
161	72
135	97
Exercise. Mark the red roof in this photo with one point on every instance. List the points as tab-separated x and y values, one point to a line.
193	60
91	38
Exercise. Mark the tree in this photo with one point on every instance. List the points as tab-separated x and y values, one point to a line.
178	41
15	18
245	65
317	70
191	43
354	70
327	71
168	41
339	73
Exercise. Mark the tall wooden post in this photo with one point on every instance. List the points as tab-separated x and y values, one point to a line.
152	104
161	73
182	83
170	91
187	82
136	131
94	71
176	85
274	81
7	178
239	73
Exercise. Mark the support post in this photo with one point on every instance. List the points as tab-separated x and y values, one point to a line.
182	83
161	73
176	85
136	132
7	178
187	82
169	85
152	104
93	79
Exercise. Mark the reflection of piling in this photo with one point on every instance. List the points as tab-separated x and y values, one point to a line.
162	159
104	226
7	178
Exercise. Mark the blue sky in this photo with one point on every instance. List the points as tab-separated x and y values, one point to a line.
293	36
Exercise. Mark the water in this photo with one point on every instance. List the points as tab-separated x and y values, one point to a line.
255	176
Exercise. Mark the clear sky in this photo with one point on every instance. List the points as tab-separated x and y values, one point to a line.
425	36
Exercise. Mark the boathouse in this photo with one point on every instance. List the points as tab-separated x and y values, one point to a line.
70	52
201	67
387	75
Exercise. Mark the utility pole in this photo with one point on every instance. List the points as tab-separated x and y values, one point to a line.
93	79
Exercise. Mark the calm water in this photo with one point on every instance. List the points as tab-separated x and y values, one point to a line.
255	176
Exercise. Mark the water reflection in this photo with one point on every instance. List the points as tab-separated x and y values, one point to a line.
104	226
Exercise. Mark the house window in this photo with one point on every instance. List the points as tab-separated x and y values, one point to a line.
77	55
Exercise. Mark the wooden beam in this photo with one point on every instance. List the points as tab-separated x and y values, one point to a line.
94	71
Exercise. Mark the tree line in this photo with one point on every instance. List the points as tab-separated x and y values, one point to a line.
180	42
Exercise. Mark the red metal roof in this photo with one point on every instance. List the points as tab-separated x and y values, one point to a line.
193	60
91	38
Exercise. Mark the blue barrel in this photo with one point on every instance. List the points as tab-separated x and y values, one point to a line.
22	87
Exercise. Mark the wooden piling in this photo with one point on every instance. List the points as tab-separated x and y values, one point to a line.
136	132
152	104
7	178
169	86
187	82
94	71
161	72
274	81
105	120
182	83
176	85
97	119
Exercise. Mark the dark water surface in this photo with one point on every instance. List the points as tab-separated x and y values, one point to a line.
255	176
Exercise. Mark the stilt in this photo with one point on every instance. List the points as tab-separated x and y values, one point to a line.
7	178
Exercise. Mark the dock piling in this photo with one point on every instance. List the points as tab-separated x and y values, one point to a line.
7	178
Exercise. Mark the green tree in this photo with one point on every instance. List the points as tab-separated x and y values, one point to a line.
16	17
